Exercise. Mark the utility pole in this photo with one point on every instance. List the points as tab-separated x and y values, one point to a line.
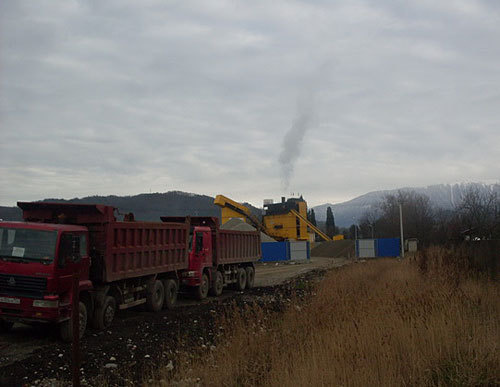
75	316
355	241
401	228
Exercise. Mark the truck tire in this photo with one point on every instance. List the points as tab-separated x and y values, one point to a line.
250	276
202	290
5	326
104	314
66	327
171	290
218	285
156	297
241	279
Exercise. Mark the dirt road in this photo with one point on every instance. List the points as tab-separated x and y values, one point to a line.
270	274
140	339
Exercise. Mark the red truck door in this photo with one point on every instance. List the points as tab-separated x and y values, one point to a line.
202	249
72	258
207	248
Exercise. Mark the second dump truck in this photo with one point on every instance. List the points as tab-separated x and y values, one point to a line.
120	264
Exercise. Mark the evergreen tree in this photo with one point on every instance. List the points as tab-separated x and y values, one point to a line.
330	222
311	217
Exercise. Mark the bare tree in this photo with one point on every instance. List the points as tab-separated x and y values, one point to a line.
479	213
368	221
418	215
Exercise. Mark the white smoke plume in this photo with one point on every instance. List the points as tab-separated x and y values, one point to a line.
303	121
292	142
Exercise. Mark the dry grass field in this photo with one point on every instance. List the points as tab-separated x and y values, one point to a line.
383	322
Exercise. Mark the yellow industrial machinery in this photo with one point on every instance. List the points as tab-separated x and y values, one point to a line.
232	209
282	224
282	221
311	226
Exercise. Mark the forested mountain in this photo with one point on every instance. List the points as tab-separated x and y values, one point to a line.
144	206
10	213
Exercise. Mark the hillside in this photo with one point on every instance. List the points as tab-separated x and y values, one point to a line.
10	213
144	206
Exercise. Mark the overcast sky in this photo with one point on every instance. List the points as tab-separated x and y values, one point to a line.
251	99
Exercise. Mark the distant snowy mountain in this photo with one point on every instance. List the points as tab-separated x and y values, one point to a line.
445	196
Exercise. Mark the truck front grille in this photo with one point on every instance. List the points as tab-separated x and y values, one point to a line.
22	285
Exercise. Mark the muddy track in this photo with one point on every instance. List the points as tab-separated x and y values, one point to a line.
138	340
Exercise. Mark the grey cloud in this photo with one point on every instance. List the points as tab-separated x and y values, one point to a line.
116	97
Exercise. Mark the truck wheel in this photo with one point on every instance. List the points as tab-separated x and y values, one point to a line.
241	279
171	289
5	326
66	327
202	290
250	276
155	298
216	289
104	315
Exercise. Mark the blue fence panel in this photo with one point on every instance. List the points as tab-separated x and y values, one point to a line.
388	247
275	251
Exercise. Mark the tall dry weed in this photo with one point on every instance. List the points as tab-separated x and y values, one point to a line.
475	258
375	323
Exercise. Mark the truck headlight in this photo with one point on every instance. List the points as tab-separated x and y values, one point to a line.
46	303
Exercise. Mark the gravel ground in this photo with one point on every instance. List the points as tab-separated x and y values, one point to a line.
137	341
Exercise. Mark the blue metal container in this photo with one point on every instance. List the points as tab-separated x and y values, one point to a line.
275	251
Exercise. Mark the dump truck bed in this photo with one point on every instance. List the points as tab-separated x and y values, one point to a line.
237	246
135	249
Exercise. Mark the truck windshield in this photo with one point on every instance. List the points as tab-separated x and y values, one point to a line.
26	244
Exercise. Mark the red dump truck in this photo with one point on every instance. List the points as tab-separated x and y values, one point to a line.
120	264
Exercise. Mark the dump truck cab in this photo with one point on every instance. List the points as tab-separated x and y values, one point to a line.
201	247
200	255
37	265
